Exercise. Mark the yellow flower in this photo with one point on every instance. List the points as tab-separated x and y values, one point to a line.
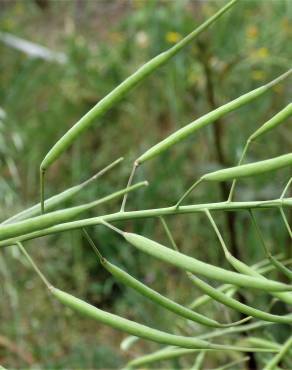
252	32
258	75
172	37
262	53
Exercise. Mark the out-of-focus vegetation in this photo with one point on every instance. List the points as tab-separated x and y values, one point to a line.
104	42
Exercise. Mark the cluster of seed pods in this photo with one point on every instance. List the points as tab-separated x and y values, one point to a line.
34	222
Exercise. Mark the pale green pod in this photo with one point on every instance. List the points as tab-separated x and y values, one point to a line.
126	325
161	300
191	264
169	352
251	169
56	200
136	329
208	118
275	121
285	271
40	222
261	267
236	305
245	269
125	87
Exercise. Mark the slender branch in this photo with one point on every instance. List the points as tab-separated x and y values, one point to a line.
149	213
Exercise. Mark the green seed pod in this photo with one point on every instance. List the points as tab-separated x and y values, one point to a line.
208	118
58	199
191	264
136	329
251	169
238	306
36	223
117	94
275	121
156	297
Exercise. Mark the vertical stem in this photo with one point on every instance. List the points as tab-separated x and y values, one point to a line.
168	233
286	221
42	189
135	165
239	163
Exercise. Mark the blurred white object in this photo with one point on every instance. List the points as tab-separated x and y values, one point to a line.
31	49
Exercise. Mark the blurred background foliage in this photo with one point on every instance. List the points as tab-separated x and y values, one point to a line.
103	42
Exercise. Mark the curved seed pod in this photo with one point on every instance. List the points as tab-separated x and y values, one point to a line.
238	306
153	295
165	302
191	264
251	169
281	267
272	123
245	269
53	218
173	352
60	198
272	365
239	265
126	325
136	329
261	267
118	93
208	118
279	118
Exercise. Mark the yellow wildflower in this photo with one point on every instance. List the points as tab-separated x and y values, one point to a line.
258	75
252	32
172	37
262	53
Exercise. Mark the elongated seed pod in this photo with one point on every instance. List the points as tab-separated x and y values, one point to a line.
241	266
53	218
56	200
208	118
156	297
245	269
136	329
285	271
238	306
157	355
272	365
191	264
168	354
126	325
276	120
260	267
251	169
125	87
161	355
